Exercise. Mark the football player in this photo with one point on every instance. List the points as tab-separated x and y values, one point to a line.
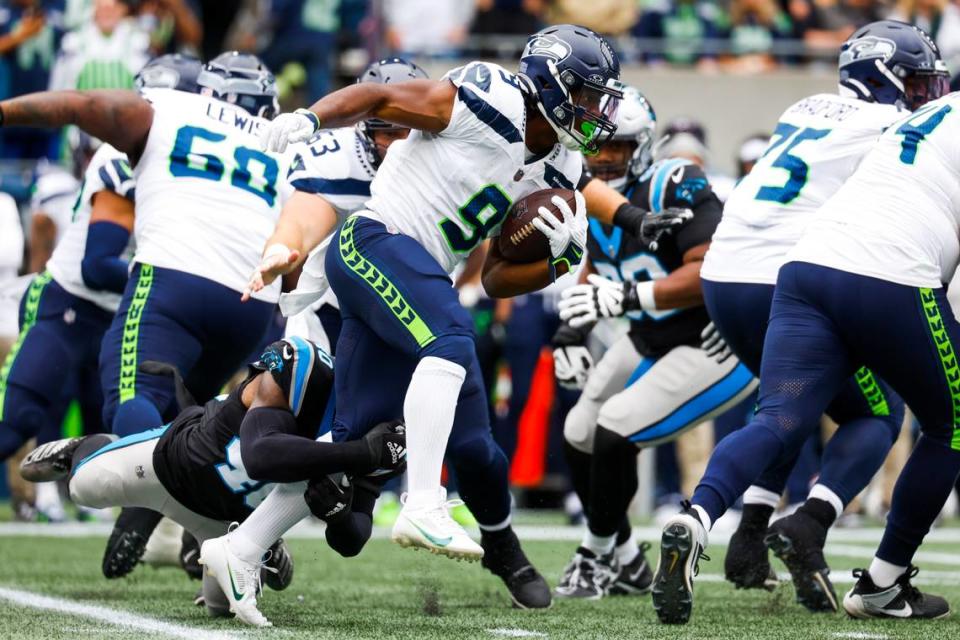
482	137
70	306
199	172
330	176
653	383
863	286
215	463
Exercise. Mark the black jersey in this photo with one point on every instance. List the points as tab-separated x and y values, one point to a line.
198	456
619	256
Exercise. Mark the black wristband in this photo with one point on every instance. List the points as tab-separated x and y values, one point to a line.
629	217
567	336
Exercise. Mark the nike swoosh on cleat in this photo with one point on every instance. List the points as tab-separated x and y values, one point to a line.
236	596
675	555
437	541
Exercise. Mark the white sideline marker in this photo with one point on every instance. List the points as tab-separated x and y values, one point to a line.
516	633
116	617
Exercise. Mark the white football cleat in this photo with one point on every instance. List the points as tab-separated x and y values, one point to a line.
429	526
239	580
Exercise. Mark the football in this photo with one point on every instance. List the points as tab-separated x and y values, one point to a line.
522	242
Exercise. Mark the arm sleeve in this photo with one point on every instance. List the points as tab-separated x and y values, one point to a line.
102	268
689	188
273	451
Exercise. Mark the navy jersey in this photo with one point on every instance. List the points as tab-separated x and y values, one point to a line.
198	457
619	256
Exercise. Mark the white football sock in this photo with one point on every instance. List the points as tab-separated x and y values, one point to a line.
629	550
428	411
822	492
276	515
884	574
600	545
759	495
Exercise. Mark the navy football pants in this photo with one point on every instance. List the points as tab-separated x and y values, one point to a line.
825	324
869	413
399	305
53	361
170	316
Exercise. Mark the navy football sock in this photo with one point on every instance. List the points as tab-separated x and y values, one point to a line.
854	454
736	462
924	486
482	476
136	416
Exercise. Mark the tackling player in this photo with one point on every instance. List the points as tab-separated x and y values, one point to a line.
199	172
653	383
215	463
864	286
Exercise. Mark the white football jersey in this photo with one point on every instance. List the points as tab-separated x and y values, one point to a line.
897	218
452	189
207	196
817	145
54	194
108	171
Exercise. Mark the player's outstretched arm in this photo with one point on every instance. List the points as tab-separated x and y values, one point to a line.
609	206
120	118
426	105
306	220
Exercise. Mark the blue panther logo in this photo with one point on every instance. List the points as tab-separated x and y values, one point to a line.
687	189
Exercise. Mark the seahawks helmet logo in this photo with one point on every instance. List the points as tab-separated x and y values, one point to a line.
868	48
548	46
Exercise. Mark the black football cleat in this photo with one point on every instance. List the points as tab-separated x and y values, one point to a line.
681	547
190	556
747	564
901	600
277	570
588	576
504	558
636	578
52	460
128	540
798	541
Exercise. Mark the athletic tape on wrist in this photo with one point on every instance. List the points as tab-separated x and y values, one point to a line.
645	294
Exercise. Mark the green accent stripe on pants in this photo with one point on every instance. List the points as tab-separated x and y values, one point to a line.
872	392
131	334
948	357
382	286
30	308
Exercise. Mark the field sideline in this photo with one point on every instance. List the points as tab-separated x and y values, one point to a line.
51	587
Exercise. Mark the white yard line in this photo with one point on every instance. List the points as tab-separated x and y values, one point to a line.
516	633
116	617
929	557
845	577
859	635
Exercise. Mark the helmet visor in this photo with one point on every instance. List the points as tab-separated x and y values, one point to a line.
922	88
595	114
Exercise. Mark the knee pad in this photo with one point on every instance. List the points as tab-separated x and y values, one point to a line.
456	348
96	486
581	425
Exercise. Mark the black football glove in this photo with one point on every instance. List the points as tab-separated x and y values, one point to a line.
387	443
330	498
647	226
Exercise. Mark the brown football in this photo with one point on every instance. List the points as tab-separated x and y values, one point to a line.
520	241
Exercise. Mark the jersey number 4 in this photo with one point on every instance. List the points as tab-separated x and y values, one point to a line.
187	163
797	168
914	134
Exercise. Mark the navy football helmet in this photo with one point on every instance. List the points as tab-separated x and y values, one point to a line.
574	76
241	79
171	71
893	62
386	71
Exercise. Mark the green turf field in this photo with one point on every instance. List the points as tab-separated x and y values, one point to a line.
392	593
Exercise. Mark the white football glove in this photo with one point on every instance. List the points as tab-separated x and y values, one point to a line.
713	343
277	260
567	237
585	303
572	366
288	128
